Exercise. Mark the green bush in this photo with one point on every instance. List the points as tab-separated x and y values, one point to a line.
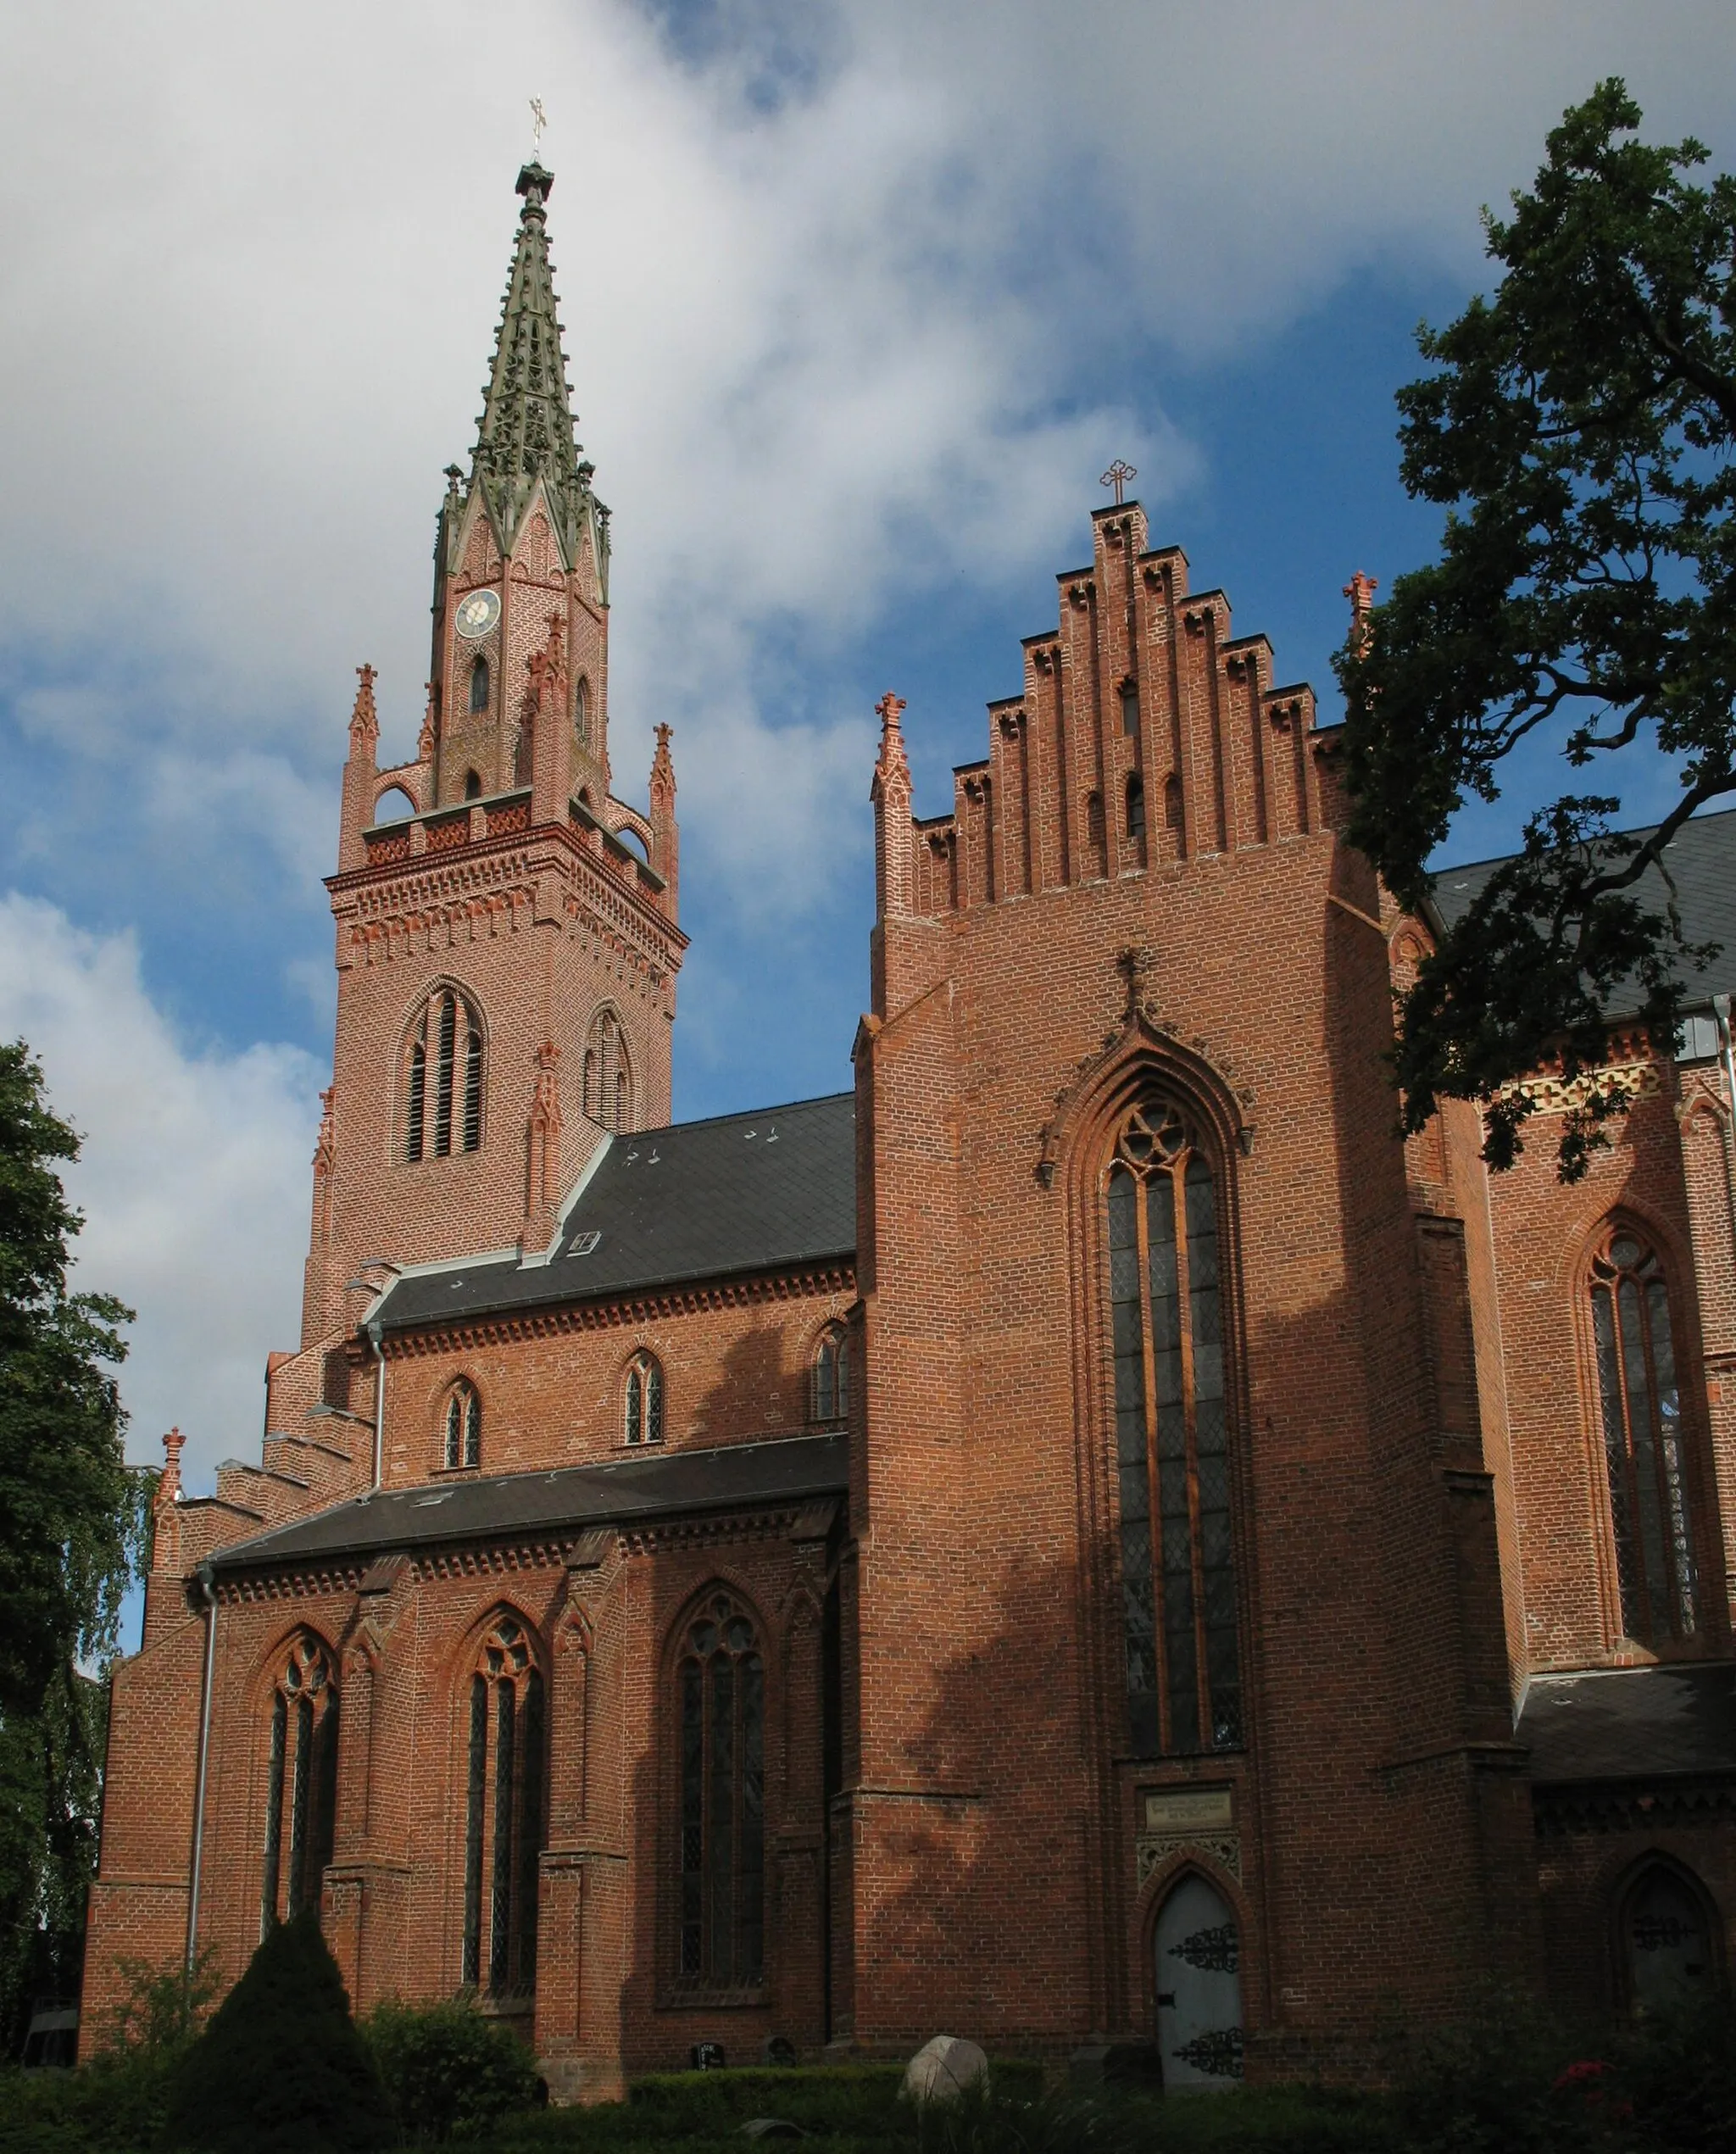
450	2072
281	2068
1674	2084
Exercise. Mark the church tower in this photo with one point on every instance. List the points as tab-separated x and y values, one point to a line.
507	942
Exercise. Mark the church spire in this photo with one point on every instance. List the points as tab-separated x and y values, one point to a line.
526	429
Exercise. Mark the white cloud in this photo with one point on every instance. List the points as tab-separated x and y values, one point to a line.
194	1179
825	349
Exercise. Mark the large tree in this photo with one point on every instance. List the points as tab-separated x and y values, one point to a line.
1578	426
72	1521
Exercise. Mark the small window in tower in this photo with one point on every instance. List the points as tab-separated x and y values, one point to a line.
1130	708
1172	802
1136	807
473	784
582	712
479	684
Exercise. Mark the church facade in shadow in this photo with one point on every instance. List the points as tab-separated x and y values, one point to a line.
1083	1537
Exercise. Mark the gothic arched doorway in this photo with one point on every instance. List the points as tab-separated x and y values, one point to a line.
1196	1947
1665	1937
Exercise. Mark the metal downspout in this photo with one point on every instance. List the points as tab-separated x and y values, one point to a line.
192	1903
374	1341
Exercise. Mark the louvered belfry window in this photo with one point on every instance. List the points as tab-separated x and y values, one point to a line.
1183	1670
301	1782
446	1044
721	1694
503	1820
1641	1411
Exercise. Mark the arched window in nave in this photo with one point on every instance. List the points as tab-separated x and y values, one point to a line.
1640	1409
461	1431
642	1399
301	1780
831	1375
720	1711
1178	1580
505	1817
442	1091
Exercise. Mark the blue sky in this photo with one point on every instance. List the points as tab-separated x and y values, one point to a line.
861	299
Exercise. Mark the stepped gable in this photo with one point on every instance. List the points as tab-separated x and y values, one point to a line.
788	1470
746	1193
1702	863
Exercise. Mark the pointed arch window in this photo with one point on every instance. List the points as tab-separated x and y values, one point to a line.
720	1704
582	712
1183	1669
831	1375
473	786
608	1073
1641	1408
479	686
301	1781
504	1812
642	1399
462	1428
444	1115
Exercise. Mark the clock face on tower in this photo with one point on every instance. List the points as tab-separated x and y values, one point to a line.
478	613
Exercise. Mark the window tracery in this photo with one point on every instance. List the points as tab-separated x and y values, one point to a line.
301	1781
1183	1673
721	1683
503	1813
463	1426
642	1399
1639	1407
445	1045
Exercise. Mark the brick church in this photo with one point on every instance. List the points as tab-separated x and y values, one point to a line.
1083	1536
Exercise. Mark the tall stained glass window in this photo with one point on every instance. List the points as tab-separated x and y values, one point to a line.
1641	1411
301	1781
503	1820
721	1707
1183	1672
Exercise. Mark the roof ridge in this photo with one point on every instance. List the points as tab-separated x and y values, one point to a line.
739	1114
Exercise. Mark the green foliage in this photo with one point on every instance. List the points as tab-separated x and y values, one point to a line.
1579	428
448	2071
116	2106
162	2009
281	2068
1676	2075
72	1527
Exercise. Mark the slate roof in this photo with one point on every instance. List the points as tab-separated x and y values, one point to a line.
698	1200
794	1469
1702	858
1630	1723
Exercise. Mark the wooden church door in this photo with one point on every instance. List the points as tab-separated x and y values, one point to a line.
1199	1989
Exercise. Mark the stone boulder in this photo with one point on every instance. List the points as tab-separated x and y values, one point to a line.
942	2069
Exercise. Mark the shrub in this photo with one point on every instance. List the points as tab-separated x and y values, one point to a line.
280	2069
447	2070
1676	2076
